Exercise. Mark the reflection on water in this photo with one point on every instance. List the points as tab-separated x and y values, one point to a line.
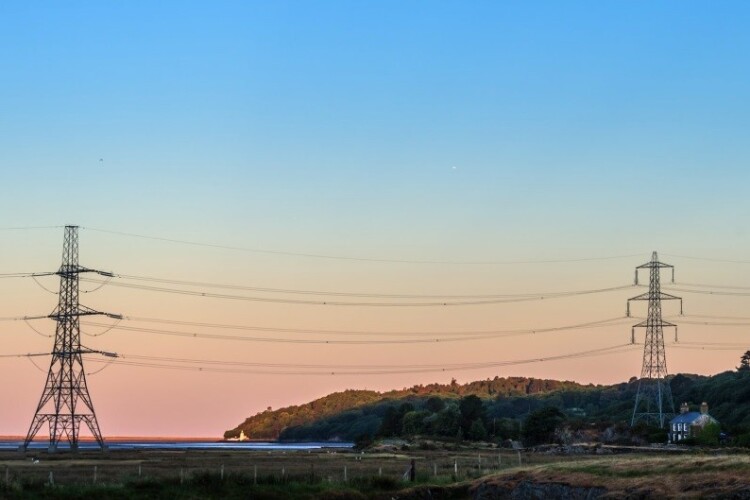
185	445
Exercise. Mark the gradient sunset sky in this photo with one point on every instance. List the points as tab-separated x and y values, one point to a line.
501	147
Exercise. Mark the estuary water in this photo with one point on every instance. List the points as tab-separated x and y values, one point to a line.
186	445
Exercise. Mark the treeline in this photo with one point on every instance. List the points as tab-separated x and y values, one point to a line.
500	409
466	418
270	424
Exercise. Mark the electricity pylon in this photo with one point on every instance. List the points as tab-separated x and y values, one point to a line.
653	401
65	401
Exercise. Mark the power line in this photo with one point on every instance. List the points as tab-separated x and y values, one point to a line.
105	331
732	347
436	336
374	332
182	364
296	291
437	303
12	318
703	285
714	323
17	275
28	228
714	316
31	327
39	283
352	258
709	344
25	355
709	292
23	318
293	291
709	259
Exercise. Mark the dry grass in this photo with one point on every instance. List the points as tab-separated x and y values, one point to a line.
639	476
119	466
632	475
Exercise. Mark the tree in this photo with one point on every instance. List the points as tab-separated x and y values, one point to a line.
709	435
391	423
477	431
541	424
506	428
434	404
471	408
447	421
413	422
744	362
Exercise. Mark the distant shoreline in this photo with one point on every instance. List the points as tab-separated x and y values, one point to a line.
124	439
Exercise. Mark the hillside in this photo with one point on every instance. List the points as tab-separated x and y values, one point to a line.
269	424
493	408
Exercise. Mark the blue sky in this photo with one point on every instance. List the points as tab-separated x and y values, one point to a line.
406	130
351	114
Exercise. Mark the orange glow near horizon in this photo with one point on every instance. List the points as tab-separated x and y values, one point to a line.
148	401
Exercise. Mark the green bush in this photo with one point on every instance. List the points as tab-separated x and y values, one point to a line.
709	435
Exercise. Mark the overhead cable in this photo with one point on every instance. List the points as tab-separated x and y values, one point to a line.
432	303
709	259
324	370
379	333
355	294
456	337
352	258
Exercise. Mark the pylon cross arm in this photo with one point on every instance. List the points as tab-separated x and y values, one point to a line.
666	296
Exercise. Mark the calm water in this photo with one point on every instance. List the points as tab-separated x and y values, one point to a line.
188	445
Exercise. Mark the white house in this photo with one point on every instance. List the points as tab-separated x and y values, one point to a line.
689	423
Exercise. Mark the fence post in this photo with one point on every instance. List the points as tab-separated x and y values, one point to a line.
51	479
455	468
95	474
7	475
182	475
380	471
139	470
519	457
434	470
345	478
255	474
222	472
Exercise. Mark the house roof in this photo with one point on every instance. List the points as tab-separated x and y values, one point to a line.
689	417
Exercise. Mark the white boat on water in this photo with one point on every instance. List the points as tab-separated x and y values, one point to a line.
242	437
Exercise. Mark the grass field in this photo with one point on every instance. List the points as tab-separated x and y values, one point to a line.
482	473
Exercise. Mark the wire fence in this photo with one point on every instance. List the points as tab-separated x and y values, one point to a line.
259	467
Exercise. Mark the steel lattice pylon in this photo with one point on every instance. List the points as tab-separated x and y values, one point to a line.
653	401
65	401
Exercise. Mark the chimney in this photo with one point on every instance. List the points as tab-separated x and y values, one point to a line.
704	408
684	408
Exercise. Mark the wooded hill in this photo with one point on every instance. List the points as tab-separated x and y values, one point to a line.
489	409
270	424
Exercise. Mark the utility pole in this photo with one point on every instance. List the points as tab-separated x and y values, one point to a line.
65	401
653	401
